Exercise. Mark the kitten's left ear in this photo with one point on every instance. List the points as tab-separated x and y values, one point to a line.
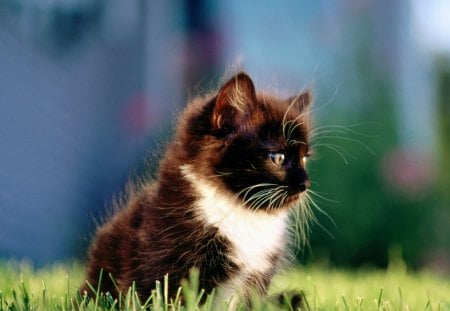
233	102
301	101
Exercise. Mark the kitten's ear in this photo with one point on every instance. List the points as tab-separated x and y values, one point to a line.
233	102
301	101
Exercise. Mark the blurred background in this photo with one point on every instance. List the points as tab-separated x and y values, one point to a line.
89	90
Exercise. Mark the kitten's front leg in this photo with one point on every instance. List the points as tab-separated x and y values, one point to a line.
242	291
252	290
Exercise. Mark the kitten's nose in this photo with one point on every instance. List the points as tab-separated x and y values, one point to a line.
299	180
305	185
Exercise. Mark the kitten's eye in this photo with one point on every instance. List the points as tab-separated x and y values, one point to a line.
304	159
277	158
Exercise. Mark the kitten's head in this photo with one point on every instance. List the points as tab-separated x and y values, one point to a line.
254	146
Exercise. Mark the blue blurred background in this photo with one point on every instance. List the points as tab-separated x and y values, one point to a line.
89	89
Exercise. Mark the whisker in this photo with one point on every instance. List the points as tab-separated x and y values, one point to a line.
352	140
329	101
315	135
315	193
294	142
296	125
285	197
247	190
317	207
301	218
344	129
316	222
284	122
276	197
259	198
338	149
270	197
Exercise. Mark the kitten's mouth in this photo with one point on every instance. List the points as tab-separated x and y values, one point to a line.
282	200
293	198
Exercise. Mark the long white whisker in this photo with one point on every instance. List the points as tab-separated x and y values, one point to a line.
292	128
247	190
276	197
309	202
315	193
352	140
319	134
259	198
339	150
309	198
271	197
283	200
266	197
283	122
343	129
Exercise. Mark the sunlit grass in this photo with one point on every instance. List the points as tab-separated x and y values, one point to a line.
54	288
369	289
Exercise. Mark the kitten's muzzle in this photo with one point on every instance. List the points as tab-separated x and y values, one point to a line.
305	185
298	181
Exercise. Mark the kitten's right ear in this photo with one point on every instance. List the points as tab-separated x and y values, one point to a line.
233	102
301	101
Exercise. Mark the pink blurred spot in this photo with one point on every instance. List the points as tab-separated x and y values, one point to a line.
137	115
409	172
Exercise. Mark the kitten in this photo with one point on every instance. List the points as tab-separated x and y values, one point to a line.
225	187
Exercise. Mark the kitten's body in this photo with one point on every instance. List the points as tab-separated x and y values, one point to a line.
221	200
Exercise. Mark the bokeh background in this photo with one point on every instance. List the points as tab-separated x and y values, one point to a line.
89	90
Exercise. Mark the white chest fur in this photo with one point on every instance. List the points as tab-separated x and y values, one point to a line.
254	236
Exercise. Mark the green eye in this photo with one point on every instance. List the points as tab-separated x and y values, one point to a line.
277	158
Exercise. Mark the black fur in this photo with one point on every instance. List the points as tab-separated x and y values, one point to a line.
226	138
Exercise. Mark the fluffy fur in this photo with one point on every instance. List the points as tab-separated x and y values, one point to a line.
225	187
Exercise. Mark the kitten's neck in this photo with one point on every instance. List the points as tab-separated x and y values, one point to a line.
256	235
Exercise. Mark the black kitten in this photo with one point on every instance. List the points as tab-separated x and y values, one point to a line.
226	185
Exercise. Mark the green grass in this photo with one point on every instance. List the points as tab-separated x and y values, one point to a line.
54	288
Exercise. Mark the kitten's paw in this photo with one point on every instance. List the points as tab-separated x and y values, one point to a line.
291	300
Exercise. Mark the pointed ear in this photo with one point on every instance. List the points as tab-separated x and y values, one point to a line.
301	101
233	102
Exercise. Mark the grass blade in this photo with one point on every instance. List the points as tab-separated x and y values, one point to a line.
345	303
44	295
380	297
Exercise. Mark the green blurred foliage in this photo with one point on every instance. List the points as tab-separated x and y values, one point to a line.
365	218
442	213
